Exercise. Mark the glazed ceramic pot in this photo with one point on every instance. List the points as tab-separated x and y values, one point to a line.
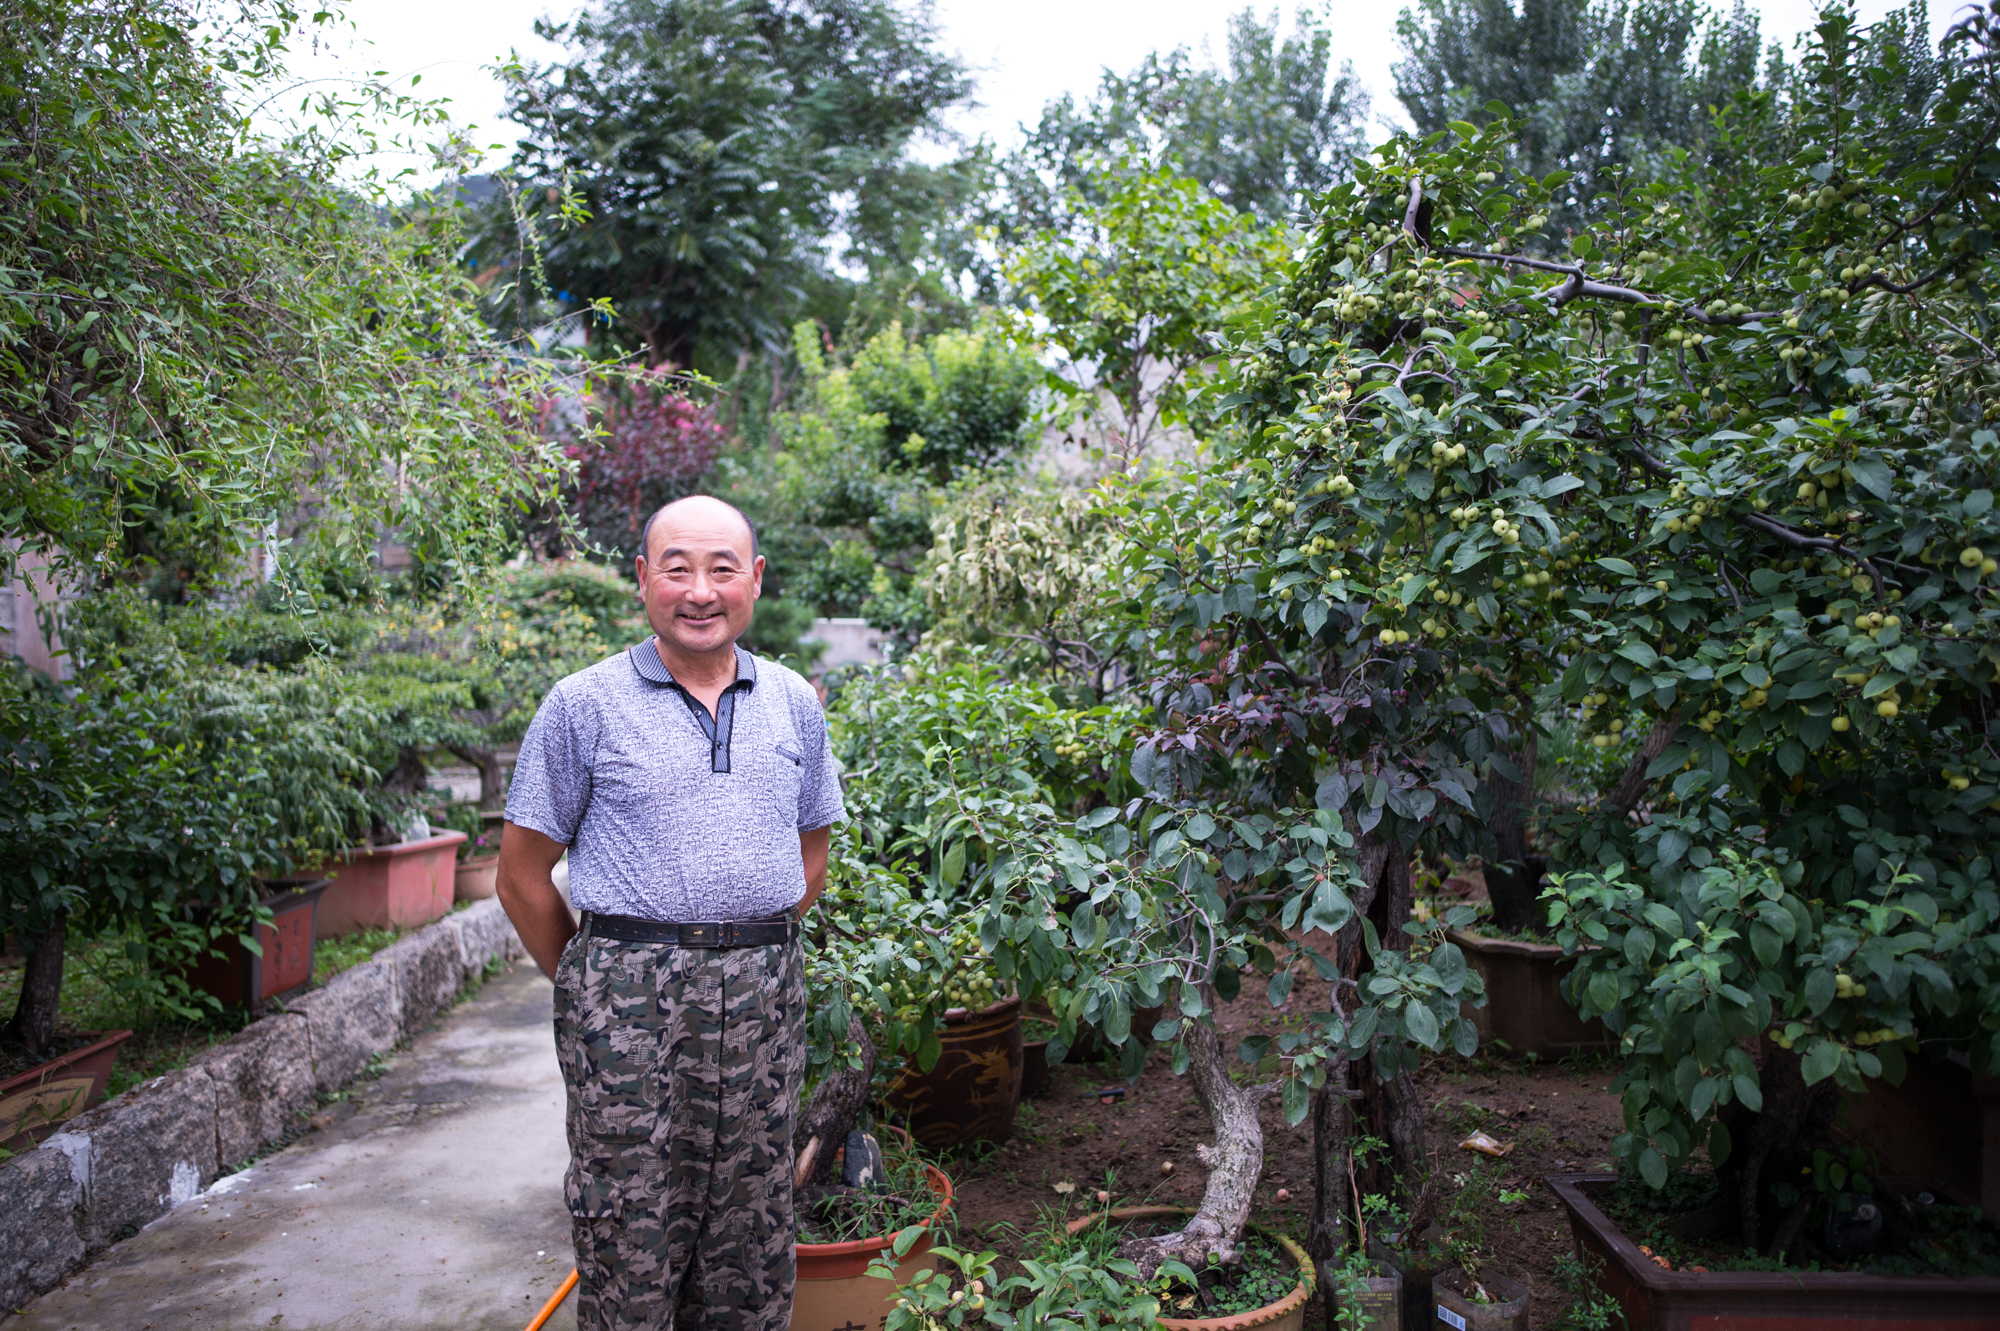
971	1092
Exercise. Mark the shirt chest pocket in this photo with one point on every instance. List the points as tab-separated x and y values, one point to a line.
780	768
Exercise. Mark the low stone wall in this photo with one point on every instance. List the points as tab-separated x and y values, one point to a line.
133	1159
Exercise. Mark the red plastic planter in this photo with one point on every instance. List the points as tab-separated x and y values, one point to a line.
404	886
240	977
1658	1300
33	1104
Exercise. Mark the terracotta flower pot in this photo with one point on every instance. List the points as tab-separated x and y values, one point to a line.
833	1290
1657	1300
477	878
404	886
242	978
1287	1314
33	1104
972	1091
1524	1002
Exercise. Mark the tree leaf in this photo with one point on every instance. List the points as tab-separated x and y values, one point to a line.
1297	1101
1820	1062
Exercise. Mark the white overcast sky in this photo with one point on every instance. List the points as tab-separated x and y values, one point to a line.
1022	52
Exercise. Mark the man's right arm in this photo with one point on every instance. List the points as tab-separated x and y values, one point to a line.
528	893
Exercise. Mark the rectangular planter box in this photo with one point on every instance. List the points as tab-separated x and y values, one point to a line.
1940	1123
1524	1003
33	1104
404	886
241	978
1657	1300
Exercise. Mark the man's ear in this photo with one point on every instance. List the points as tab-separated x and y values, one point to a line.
757	578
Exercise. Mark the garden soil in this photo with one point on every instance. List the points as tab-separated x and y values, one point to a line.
1553	1116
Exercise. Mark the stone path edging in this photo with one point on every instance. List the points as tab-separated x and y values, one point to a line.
132	1159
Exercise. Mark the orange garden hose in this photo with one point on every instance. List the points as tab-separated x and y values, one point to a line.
549	1308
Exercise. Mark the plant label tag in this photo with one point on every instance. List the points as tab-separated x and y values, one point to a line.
1450	1318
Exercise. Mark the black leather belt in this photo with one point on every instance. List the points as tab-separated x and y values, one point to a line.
770	930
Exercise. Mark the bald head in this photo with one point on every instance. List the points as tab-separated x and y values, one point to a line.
705	511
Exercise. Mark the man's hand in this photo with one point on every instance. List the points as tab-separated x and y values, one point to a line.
812	848
528	892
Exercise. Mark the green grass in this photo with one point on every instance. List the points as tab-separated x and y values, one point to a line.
331	956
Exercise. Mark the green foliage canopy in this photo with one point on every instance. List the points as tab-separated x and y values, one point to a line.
715	146
1135	294
203	339
1595	87
1722	477
1274	124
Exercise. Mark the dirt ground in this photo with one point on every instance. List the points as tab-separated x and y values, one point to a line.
1556	1117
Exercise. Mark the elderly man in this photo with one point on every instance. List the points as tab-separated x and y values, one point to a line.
693	787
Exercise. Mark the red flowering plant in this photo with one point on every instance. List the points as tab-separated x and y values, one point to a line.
652	444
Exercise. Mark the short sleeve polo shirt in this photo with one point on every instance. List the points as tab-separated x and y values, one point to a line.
671	813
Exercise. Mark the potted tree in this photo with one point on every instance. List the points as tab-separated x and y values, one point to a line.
1703	480
281	961
405	876
858	948
146	796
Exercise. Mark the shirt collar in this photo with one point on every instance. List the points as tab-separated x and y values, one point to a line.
646	660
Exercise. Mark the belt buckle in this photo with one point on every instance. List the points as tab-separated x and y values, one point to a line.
725	934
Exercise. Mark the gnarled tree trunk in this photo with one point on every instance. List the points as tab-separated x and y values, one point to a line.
1389	1108
1333	1199
33	1027
492	779
1775	1144
1513	883
1235	1161
835	1104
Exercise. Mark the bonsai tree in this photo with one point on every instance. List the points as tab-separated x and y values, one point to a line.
1713	476
148	794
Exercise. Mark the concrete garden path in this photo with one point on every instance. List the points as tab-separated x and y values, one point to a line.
430	1198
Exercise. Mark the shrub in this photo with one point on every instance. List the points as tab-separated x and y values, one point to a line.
151	793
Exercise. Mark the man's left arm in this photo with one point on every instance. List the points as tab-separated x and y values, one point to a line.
812	848
820	805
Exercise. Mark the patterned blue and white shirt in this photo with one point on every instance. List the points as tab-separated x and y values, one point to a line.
670	813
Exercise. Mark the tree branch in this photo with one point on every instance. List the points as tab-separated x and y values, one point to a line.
1772	527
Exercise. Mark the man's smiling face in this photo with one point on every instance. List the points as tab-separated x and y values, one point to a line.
700	578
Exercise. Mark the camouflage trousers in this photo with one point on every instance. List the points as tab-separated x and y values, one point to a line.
683	1068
